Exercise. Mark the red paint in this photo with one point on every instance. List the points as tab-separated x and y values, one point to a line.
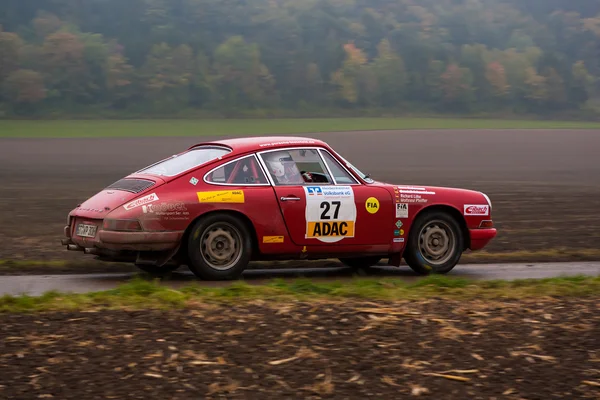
166	209
481	237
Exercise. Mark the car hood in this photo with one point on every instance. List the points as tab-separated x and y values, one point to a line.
434	189
129	192
441	194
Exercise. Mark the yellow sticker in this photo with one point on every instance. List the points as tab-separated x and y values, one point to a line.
222	196
330	229
272	239
401	232
372	205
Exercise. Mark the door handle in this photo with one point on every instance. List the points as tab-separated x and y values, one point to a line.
289	198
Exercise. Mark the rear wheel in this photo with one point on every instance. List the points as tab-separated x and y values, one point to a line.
219	247
361	262
435	244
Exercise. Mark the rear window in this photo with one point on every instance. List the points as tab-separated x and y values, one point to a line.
185	161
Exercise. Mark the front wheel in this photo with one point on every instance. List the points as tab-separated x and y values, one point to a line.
435	244
219	247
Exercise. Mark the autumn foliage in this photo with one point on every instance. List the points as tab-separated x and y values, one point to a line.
152	57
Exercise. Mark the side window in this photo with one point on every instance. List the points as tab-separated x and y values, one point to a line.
339	173
296	167
244	171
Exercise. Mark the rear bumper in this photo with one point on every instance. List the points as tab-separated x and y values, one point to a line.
126	241
481	237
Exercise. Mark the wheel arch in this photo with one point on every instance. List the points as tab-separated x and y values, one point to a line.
456	215
243	217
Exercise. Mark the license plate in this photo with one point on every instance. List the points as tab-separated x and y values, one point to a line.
86	230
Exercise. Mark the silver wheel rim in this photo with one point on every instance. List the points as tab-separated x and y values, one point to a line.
221	246
437	242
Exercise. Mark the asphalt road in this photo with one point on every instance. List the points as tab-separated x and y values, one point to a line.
36	285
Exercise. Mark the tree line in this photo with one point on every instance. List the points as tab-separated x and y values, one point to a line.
169	56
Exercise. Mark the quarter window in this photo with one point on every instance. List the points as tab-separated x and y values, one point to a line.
296	167
244	171
340	174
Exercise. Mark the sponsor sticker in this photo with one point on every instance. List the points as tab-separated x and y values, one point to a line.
412	198
399	240
287	142
414	192
398	224
222	196
330	213
314	191
411	194
194	181
141	201
476	209
372	205
397	232
272	239
401	210
421	189
166	211
90	209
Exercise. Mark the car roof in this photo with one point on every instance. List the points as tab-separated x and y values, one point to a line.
259	143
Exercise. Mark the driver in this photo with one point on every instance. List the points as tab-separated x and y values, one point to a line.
284	169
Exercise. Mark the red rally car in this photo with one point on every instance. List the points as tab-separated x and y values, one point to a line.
220	204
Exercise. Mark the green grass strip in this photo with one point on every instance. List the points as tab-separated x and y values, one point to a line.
217	127
141	293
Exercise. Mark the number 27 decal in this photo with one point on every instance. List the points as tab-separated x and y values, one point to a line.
327	206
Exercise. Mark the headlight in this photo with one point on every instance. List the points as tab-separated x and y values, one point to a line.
488	199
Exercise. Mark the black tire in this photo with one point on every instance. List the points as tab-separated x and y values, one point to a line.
155	270
361	262
232	234
420	256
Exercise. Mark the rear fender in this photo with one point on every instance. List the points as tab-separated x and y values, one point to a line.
183	249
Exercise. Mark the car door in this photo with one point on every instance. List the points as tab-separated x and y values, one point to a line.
332	208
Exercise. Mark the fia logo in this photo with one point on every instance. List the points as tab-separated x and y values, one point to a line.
401	210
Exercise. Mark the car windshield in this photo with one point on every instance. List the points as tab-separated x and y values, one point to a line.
185	161
364	176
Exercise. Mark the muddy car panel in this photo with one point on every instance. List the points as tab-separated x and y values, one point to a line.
339	213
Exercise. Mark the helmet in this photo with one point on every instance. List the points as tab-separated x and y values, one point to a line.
284	168
277	168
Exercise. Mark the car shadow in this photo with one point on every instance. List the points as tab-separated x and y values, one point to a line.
259	275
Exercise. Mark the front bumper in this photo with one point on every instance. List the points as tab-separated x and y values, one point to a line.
481	237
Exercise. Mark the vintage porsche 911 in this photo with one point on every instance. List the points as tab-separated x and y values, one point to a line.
219	205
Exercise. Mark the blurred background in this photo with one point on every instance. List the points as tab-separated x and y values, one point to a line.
299	58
